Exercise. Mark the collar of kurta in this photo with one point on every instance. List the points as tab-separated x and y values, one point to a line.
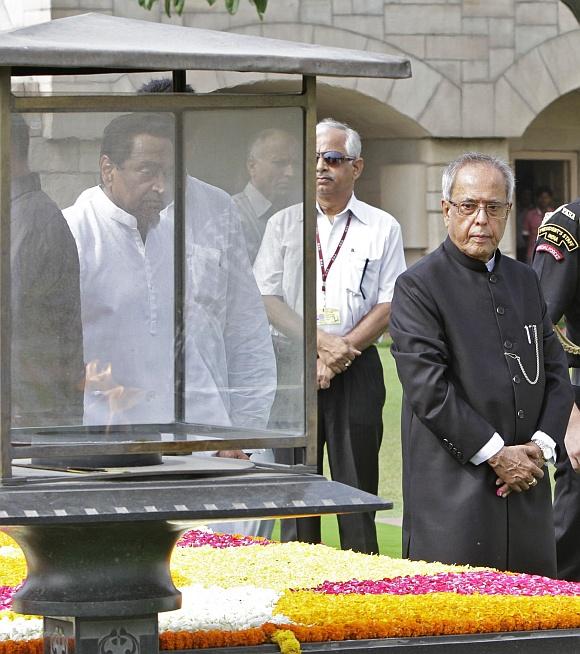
468	262
112	211
25	184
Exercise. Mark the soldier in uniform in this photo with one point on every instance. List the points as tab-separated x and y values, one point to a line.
557	263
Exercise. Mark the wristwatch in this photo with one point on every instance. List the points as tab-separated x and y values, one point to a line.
548	448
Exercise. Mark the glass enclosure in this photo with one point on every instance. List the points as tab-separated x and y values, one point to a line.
157	280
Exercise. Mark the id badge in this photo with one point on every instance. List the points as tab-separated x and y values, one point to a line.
328	317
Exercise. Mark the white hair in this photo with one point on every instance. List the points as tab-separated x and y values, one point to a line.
352	141
450	172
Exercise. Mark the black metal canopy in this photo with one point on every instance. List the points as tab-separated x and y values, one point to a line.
100	42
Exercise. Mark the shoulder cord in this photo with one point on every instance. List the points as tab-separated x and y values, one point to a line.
518	359
567	344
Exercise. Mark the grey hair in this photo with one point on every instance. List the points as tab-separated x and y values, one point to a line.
352	138
450	172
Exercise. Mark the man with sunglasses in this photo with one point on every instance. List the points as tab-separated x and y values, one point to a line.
360	254
486	393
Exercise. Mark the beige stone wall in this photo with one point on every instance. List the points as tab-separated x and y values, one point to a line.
487	74
482	68
463	52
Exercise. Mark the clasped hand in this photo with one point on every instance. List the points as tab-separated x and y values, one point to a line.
335	351
335	355
518	467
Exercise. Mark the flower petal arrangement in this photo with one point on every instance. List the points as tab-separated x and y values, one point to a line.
247	591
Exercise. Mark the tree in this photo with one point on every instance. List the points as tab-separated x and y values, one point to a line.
231	5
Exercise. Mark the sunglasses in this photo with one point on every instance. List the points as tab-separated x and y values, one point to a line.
333	158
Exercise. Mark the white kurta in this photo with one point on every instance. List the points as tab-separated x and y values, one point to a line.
127	313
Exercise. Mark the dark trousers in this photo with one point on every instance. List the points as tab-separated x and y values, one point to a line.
567	515
350	424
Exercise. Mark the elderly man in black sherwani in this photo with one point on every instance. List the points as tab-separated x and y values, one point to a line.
486	393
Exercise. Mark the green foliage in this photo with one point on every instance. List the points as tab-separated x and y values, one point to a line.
177	6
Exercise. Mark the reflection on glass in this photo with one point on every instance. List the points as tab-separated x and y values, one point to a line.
229	362
259	161
273	169
113	256
126	276
47	362
279	274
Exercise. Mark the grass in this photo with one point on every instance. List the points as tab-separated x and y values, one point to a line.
390	456
389	536
390	466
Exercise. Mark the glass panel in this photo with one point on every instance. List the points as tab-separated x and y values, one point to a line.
92	290
111	176
233	356
118	83
47	356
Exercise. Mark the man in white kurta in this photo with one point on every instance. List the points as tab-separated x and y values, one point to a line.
127	299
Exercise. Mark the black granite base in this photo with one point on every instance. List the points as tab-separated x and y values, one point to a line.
560	641
97	570
136	635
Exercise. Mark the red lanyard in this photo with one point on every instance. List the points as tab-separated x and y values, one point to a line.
324	271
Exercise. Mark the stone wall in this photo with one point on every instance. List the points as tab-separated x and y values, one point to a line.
478	66
484	74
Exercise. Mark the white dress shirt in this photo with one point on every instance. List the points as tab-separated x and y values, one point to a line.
127	313
373	244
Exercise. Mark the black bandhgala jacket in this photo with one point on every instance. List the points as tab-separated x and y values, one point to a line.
453	325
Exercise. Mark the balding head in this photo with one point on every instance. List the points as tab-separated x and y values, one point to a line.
272	162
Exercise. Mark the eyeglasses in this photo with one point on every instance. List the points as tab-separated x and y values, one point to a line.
469	209
333	158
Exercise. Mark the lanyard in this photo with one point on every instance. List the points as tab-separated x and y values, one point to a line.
324	271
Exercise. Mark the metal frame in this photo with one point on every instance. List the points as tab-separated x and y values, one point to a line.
229	438
309	257
5	350
179	258
97	43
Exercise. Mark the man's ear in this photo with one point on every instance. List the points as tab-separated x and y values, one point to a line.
445	210
358	166
106	167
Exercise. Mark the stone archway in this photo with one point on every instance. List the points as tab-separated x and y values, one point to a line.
534	81
429	98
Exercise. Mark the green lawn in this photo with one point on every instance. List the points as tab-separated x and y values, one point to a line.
389	536
390	457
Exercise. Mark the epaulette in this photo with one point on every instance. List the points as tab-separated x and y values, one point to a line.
570	210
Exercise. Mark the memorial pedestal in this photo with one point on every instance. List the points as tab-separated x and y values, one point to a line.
134	635
98	552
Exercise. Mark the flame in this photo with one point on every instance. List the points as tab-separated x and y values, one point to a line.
99	381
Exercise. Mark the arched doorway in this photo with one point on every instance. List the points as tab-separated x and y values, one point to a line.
547	153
